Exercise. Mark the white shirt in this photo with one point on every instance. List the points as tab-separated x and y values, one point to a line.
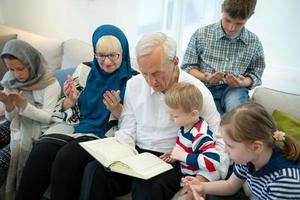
145	121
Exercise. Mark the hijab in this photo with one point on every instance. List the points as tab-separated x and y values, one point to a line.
93	113
39	75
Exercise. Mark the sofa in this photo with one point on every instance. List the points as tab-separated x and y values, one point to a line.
273	99
65	55
59	54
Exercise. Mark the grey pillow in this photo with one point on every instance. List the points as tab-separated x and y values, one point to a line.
3	40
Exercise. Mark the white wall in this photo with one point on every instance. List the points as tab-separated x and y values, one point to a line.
276	22
64	19
1	18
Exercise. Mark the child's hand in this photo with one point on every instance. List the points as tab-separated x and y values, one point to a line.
196	186
179	154
111	100
18	99
185	190
214	78
235	81
167	158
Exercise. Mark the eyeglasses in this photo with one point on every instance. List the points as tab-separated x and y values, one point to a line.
112	57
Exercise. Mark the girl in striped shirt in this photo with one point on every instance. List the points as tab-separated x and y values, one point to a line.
266	158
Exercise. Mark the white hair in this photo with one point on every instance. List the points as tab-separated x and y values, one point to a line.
149	42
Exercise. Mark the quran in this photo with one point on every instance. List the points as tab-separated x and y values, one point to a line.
122	158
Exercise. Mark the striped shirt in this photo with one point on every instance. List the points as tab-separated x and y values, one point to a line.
210	50
203	158
278	179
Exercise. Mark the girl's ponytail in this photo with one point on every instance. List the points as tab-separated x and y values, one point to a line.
291	149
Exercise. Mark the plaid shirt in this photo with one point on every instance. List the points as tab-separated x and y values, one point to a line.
210	50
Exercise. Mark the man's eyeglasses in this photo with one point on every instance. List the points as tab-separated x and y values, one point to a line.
112	57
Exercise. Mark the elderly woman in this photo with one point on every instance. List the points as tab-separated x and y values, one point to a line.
57	158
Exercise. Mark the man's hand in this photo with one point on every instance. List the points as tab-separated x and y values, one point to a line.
214	78
179	154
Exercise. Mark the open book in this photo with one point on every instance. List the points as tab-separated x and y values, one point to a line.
124	159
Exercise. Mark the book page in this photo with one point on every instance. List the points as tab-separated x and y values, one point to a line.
108	150
144	165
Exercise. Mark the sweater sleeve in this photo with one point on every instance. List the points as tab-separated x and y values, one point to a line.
43	114
205	155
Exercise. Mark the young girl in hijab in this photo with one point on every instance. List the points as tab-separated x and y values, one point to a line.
57	158
29	98
266	158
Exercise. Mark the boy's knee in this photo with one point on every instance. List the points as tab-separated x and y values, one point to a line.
236	97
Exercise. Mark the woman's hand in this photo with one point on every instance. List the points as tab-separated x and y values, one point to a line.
111	100
3	97
9	106
70	92
18	99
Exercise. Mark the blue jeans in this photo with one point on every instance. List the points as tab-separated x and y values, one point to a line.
227	98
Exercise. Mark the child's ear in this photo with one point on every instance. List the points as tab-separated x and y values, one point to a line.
258	146
195	113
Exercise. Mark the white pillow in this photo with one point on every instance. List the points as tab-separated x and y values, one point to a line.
82	72
50	48
75	52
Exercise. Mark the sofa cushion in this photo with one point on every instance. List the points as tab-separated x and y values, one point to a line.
50	48
52	51
3	40
75	52
287	123
274	99
62	74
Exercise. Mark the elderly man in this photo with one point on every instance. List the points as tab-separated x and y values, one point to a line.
146	125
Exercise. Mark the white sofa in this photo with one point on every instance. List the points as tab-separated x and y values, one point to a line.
273	99
59	54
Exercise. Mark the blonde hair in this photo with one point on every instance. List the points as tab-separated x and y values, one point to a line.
108	43
250	122
185	96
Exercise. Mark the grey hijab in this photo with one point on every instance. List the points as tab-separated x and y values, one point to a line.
40	76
